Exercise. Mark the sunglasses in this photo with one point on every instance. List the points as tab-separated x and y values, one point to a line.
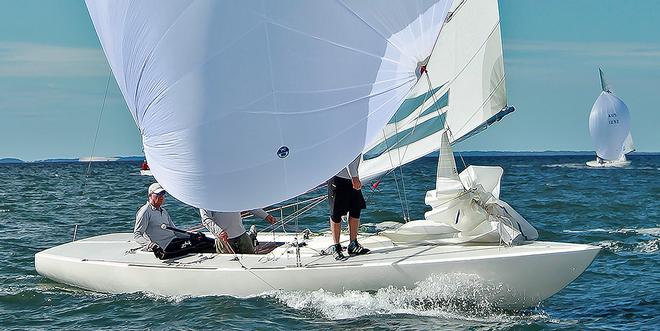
161	194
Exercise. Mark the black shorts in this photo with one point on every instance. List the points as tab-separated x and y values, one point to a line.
344	199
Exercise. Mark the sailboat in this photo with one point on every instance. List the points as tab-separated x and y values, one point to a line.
144	169
437	78
609	125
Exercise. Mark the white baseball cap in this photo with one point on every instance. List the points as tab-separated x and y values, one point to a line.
155	188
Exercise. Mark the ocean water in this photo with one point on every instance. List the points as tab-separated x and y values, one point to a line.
616	209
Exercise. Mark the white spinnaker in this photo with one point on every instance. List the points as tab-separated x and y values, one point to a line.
609	125
466	72
242	104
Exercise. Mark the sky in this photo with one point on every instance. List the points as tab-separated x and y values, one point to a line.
53	78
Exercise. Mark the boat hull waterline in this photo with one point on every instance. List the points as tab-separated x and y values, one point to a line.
516	276
608	164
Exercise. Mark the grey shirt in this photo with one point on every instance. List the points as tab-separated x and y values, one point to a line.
148	229
230	222
351	170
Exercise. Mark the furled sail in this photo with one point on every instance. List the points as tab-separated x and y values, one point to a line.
609	125
465	90
465	207
242	104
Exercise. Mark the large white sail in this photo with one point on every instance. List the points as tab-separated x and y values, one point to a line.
242	104
465	90
609	125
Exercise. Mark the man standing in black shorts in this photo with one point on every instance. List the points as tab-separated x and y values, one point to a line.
345	197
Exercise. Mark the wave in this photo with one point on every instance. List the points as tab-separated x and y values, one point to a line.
610	245
614	246
648	247
567	165
457	296
648	231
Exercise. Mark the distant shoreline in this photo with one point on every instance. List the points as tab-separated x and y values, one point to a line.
435	154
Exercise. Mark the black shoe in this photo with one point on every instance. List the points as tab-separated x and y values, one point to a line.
354	248
337	252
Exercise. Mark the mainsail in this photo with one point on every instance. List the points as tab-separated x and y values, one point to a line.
242	104
609	125
604	84
463	88
628	145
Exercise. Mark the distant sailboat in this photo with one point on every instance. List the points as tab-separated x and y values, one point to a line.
609	125
144	169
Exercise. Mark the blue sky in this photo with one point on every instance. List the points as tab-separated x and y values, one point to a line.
53	76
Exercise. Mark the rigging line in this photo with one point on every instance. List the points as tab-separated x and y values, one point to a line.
380	34
398	191
459	152
404	205
98	124
405	150
237	259
435	103
406	216
403	211
446	124
291	217
405	196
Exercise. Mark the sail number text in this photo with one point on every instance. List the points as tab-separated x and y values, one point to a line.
611	118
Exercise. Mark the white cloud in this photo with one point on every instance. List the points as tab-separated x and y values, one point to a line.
40	60
600	49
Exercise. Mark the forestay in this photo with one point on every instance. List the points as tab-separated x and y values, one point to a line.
464	90
242	104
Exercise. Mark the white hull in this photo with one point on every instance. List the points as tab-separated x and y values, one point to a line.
609	164
146	173
517	276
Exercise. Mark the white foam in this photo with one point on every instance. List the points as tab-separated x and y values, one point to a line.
456	296
166	298
611	245
587	231
566	165
651	246
649	231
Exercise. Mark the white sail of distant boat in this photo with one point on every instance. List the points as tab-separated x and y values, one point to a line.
609	126
454	88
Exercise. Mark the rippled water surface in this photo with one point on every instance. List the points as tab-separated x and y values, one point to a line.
616	209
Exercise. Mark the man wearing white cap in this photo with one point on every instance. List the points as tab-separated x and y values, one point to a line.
152	230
